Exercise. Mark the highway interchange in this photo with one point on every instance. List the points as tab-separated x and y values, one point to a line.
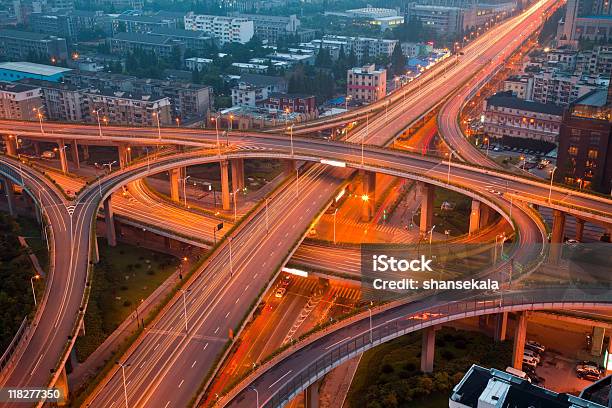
166	359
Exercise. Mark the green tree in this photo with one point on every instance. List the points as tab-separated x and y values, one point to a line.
398	60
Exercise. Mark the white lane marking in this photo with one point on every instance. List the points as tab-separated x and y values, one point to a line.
156	347
36	365
194	363
227	315
217	330
236	300
181	383
167	403
276	382
206	345
336	343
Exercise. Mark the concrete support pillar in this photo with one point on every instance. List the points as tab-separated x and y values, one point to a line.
124	155
175	175
501	324
10	143
579	229
597	341
225	188
62	155
475	217
85	149
486	213
74	150
520	335
7	186
62	385
428	349
289	167
109	221
368	195
556	240
426	192
311	395
237	174
37	150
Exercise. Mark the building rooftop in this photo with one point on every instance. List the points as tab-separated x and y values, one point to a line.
142	38
15	87
261	80
32	68
24	35
501	389
508	100
599	392
177	32
597	98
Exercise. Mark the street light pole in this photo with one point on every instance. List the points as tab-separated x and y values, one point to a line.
291	138
185	188
431	234
552	176
335	212
267	218
231	258
256	396
32	282
450	156
216	118
297	182
371	336
235	204
123	366
99	125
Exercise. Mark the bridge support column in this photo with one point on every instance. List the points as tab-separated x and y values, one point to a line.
475	216
520	334
62	155
62	385
426	191
289	167
556	240
109	221
428	349
10	143
501	324
36	146
85	152
579	229
74	150
7	186
225	188
368	195
311	395
597	341
237	174
175	175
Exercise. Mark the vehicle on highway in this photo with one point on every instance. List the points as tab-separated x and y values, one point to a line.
535	346
518	373
529	362
48	154
588	370
285	281
280	292
532	354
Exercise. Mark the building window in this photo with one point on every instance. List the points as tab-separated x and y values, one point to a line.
592	154
572	150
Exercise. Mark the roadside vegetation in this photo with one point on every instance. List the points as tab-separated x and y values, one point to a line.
16	300
389	375
124	277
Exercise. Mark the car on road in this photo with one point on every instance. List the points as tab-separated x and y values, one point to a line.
48	154
535	346
280	292
588	370
532	354
529	362
285	281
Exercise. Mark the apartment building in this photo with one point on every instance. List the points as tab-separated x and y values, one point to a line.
18	101
19	45
197	42
253	88
162	46
562	88
223	29
505	115
366	84
360	46
130	22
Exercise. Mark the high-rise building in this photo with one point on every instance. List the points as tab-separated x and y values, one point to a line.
223	29
366	84
19	45
585	143
586	19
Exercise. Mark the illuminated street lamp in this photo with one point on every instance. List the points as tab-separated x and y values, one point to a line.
109	165
216	120
580	182
40	118
290	129
431	234
335	212
256	395
450	156
97	113
32	279
123	366
552	177
486	139
156	116
185	188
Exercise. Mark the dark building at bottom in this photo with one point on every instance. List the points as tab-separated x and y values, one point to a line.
585	143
